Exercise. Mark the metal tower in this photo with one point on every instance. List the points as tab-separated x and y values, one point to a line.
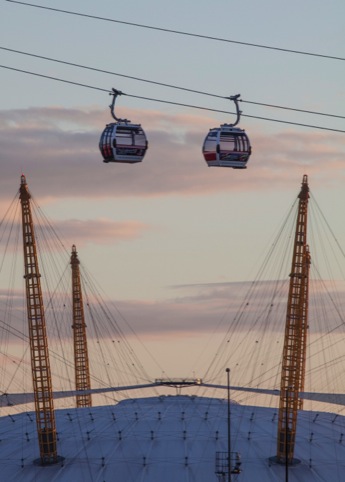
40	366
81	359
294	351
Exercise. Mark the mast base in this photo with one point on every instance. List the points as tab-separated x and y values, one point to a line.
279	461
49	461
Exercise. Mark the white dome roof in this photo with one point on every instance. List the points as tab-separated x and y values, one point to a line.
170	439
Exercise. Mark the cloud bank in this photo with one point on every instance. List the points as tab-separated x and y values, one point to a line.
196	309
57	149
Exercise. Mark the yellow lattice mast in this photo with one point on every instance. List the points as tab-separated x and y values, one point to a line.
40	365
81	358
294	352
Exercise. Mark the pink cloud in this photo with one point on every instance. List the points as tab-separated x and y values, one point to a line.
215	308
96	231
101	231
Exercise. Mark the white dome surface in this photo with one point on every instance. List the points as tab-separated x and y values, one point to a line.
170	439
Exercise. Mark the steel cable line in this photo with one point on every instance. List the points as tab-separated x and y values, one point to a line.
104	322
111	73
170	102
179	32
96	292
49	240
94	69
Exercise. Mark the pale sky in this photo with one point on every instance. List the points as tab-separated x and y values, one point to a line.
152	234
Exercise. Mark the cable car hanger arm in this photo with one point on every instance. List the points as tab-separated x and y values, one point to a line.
115	93
238	111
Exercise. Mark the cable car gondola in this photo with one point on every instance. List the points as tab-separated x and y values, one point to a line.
227	145
122	141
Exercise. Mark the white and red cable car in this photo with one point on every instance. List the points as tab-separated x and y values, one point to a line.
122	141
227	145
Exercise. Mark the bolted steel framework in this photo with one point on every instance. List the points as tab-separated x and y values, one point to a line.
40	365
296	327
81	358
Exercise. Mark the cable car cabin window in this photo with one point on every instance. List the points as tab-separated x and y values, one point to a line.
124	137
236	142
227	142
129	141
210	145
130	137
105	143
242	143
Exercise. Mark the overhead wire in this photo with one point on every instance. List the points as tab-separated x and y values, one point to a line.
179	32
103	71
97	293
163	84
170	102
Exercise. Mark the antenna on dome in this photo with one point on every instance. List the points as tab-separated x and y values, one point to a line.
224	466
